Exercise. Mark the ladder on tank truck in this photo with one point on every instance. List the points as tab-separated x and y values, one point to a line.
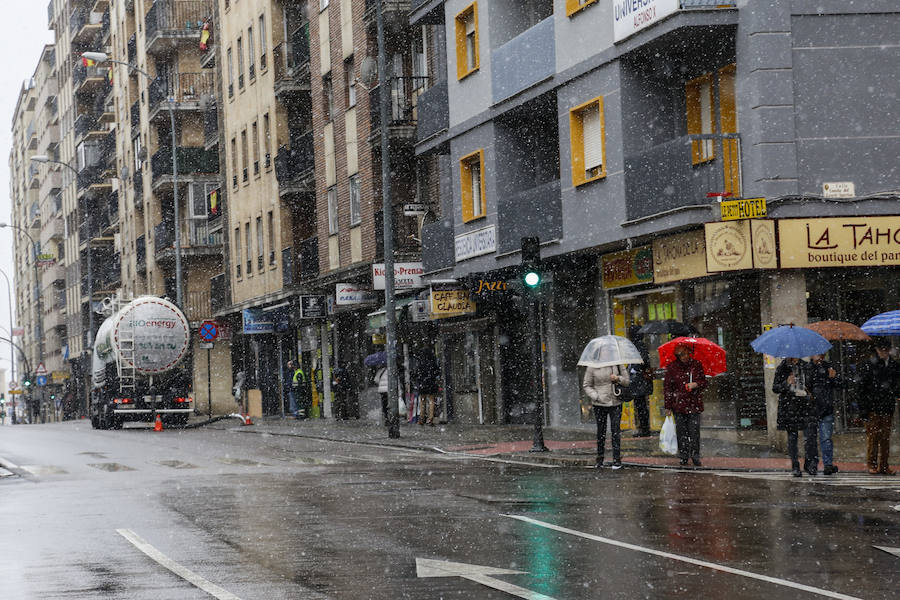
125	366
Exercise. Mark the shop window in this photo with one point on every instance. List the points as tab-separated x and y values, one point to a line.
573	6
474	203
467	41
588	142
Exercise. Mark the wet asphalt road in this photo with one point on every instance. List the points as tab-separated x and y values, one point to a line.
255	516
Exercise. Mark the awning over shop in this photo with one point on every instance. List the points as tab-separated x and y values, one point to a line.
378	319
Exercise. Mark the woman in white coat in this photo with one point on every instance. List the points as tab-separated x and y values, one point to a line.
604	386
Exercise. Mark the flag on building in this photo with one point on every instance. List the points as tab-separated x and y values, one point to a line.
214	203
87	62
204	36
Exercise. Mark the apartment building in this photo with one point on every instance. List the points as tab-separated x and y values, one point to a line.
38	230
612	134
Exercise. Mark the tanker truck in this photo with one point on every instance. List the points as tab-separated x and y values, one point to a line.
136	369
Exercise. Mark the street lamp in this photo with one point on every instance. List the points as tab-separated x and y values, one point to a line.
37	285
43	158
102	57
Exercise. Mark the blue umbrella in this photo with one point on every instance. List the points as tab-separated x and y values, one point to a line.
376	359
884	324
790	341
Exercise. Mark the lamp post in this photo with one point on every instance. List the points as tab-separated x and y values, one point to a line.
37	286
102	57
12	352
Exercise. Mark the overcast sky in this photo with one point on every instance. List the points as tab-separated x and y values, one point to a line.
23	34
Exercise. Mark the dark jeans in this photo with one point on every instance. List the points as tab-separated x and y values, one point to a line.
687	429
614	413
642	410
810	446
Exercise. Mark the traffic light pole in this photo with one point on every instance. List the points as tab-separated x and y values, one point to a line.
531	275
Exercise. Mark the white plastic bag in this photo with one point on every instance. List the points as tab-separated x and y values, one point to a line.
668	441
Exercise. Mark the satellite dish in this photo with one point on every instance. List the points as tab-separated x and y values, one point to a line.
368	71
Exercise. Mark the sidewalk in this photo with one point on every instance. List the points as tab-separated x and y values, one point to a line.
572	447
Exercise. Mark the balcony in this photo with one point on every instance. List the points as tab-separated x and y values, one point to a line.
404	96
132	52
53	230
525	60
140	253
53	319
192	162
172	22
197	306
87	127
294	166
105	107
135	118
664	178
90	81
394	10
186	92
536	211
112	211
433	112
89	176
54	274
84	26
291	60
30	135
218	293
199	243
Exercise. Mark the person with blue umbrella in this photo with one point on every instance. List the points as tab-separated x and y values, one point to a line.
793	382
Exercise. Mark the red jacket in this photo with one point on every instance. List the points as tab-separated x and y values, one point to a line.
677	397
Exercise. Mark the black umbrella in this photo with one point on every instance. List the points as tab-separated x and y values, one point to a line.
668	326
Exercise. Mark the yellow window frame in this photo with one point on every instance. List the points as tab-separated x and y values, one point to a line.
576	133
462	69
574	6
465	176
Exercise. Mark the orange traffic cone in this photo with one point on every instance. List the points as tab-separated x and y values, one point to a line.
158	425
247	420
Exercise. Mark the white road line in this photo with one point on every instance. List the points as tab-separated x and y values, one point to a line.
693	561
183	572
8	464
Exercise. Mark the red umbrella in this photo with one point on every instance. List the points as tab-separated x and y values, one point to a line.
710	355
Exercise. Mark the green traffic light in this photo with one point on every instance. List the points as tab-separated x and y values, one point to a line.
532	278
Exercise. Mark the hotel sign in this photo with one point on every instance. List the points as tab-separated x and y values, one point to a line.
745	208
839	242
630	16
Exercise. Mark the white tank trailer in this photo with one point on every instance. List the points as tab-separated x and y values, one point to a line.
136	369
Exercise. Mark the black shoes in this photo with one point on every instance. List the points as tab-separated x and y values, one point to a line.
812	470
796	472
683	462
830	469
697	462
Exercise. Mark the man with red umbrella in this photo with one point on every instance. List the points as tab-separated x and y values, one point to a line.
683	387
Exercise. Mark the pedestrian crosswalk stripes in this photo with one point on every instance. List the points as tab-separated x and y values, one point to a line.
859	480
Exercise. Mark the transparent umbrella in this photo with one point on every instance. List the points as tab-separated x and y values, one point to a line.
608	351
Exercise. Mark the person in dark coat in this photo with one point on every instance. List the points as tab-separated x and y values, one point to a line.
880	389
824	381
683	391
641	386
797	412
426	380
342	386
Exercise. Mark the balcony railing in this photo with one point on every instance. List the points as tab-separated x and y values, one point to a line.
291	60
524	60
682	172
77	20
181	88
81	74
140	252
309	258
191	160
536	211
405	92
211	126
135	116
218	293
84	124
197	306
89	176
432	111
294	163
132	49
175	18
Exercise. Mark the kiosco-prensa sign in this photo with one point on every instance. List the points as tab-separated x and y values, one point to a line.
407	276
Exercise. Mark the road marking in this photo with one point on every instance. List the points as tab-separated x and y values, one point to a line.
443	568
693	561
183	572
897	508
889	550
859	480
8	464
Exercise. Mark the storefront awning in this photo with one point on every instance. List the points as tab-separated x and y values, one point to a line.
378	318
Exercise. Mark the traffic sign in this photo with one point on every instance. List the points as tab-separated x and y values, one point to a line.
209	331
206	346
13	385
41	380
41	369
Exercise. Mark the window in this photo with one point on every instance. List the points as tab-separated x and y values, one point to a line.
263	63
245	157
471	174
249	248
351	84
327	98
230	73
355	217
467	41
267	140
573	6
237	252
332	211
234	162
255	148
323	4
138	153
260	250
251	53
240	58
700	94
588	144
271	239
